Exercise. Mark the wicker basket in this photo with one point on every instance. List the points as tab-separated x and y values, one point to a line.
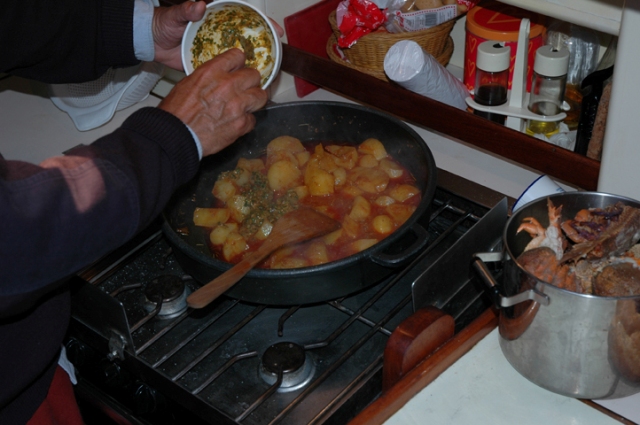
378	71
369	51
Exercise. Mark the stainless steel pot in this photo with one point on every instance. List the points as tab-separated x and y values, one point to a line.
577	345
343	123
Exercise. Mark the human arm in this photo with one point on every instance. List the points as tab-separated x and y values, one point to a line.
70	210
66	41
61	215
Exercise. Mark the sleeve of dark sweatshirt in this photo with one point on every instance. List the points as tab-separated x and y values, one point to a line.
65	41
59	216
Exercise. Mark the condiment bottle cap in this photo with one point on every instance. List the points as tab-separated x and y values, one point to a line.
551	62
493	56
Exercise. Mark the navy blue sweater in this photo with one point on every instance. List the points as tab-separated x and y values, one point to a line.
61	215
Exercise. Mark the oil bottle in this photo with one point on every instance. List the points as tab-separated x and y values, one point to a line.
584	49
547	88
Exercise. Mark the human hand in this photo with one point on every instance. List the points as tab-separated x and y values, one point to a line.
168	27
217	101
277	27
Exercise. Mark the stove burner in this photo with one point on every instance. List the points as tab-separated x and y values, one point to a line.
168	290
292	361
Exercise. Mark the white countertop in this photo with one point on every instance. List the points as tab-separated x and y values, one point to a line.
34	129
482	387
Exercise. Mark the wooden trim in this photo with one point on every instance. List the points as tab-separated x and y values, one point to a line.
424	373
484	134
608	412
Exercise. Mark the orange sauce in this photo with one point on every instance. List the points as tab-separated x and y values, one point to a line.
337	205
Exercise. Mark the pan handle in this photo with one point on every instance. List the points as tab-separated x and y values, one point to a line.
392	260
498	299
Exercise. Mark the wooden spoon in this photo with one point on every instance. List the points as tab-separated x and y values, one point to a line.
294	227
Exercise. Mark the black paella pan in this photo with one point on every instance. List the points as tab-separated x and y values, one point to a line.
334	122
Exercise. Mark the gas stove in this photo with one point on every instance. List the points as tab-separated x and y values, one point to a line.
146	358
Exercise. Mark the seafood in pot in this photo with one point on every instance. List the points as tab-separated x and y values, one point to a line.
595	252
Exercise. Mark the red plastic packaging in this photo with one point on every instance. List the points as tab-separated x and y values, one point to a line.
357	18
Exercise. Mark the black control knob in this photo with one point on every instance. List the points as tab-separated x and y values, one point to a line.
146	399
77	352
113	374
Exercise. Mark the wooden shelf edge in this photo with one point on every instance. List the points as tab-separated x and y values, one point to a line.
547	158
427	371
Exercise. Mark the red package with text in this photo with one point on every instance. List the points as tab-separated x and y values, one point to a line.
356	18
415	15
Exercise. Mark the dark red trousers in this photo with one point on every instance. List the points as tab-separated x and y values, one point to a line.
60	406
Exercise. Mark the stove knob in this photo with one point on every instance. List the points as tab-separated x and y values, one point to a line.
77	352
146	399
114	376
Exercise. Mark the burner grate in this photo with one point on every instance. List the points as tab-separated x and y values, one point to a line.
210	361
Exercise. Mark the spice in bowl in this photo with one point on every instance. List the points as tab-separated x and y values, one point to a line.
228	25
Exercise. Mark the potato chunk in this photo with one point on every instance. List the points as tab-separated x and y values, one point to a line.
238	208
340	176
350	227
400	212
282	156
332	237
391	168
251	164
284	143
283	175
210	217
278	255
371	180
264	231
302	157
384	201
321	159
289	263
368	161
352	190
319	182
317	253
344	156
403	192
233	246
219	234
241	178
362	244
373	147
382	224
223	190
301	191
360	209
326	163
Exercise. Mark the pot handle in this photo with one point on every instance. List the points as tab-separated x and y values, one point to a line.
498	299
392	260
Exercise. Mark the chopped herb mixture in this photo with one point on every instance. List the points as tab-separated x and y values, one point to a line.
263	204
235	26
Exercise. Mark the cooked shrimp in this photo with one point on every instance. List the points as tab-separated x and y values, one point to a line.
550	237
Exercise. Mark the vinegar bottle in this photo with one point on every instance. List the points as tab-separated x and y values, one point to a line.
547	88
492	78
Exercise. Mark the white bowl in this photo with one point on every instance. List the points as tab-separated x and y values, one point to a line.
256	29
